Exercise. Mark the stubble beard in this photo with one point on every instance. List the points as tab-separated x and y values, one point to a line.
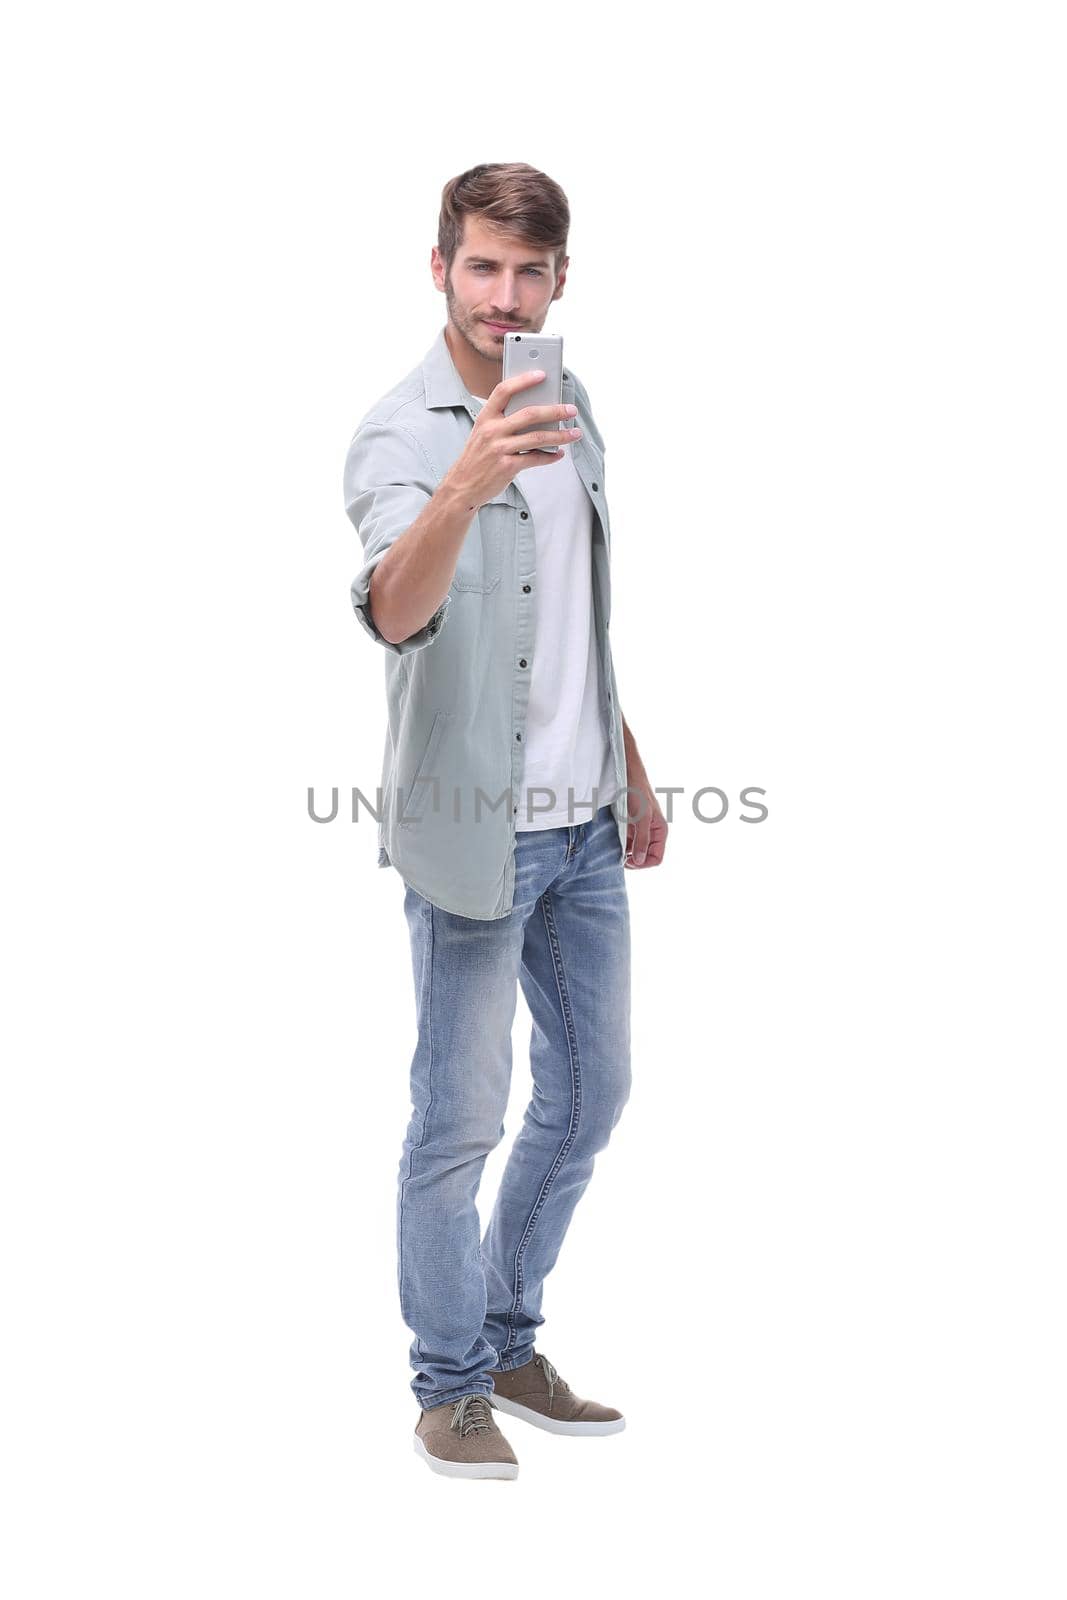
468	326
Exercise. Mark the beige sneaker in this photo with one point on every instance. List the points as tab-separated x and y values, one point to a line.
536	1393
462	1440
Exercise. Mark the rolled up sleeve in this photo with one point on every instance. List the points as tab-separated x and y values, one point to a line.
388	481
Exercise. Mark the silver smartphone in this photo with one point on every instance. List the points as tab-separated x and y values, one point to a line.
535	352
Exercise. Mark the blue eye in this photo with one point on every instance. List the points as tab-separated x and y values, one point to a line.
480	266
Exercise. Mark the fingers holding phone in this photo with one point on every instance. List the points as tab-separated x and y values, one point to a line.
535	352
493	456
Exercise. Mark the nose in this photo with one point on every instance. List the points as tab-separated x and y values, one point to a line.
507	287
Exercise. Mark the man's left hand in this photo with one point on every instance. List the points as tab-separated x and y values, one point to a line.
646	831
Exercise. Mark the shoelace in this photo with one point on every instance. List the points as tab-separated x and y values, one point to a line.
472	1414
553	1378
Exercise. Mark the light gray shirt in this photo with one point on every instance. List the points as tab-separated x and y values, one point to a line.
457	690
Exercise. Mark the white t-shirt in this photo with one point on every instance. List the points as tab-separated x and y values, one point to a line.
567	744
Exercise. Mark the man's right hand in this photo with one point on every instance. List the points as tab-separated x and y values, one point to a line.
490	459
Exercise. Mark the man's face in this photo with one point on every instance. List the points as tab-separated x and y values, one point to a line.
497	279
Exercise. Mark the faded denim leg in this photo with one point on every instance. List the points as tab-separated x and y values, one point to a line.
567	940
466	974
575	975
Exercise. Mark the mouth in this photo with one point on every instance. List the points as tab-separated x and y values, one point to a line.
504	327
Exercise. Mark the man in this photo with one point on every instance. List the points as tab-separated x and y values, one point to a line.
486	578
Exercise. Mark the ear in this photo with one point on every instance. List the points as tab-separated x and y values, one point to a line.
437	267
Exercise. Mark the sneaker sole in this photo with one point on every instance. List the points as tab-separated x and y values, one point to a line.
553	1424
466	1469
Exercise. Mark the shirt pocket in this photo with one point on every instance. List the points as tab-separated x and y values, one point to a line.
481	560
594	458
426	776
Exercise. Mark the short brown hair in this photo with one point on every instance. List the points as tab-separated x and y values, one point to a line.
510	196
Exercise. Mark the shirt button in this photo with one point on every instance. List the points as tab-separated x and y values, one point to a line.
519	736
524	515
522	661
526	588
595	487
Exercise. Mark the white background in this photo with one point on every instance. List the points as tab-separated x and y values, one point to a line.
816	295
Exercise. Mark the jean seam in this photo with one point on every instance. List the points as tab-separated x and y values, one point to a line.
572	1132
428	989
510	1366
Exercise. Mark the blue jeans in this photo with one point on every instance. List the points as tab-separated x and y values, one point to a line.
475	1303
